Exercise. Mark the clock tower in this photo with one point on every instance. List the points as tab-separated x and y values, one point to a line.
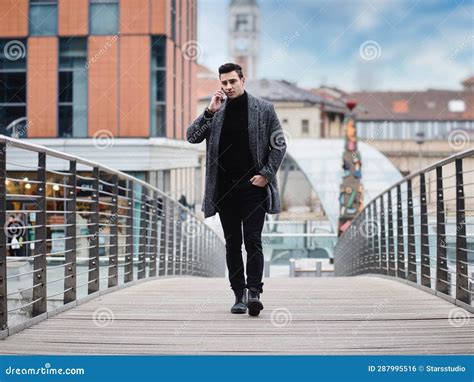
244	27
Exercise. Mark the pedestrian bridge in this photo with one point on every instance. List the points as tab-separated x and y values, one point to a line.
342	315
134	272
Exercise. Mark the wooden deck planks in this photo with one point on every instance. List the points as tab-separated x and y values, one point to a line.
187	315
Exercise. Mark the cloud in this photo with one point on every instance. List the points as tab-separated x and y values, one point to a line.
424	44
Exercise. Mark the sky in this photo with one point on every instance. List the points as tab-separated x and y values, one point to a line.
353	44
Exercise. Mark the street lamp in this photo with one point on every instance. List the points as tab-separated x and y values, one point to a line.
420	139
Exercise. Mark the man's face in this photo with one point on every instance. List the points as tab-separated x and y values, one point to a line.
232	85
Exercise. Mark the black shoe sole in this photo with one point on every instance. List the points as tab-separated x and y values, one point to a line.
238	311
254	307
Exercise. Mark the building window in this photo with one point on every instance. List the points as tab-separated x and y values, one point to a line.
13	88
43	17
158	86
104	17
72	87
305	126
242	23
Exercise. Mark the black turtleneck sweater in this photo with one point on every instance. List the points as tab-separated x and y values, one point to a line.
235	160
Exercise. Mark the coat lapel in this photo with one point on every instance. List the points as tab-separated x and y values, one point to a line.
253	128
217	131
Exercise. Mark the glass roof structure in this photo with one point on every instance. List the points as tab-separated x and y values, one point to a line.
321	162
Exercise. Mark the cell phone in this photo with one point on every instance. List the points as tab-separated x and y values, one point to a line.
223	98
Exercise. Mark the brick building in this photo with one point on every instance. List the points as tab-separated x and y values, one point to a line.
73	73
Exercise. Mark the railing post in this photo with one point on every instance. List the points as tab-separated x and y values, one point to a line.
391	245
39	275
207	250
113	249
179	240
462	284
184	239
383	246
192	253
128	268
171	238
401	271
155	233
93	285
441	261
360	245
3	238
163	237
424	239
412	275
199	255
168	232
376	239
70	280
141	271
368	239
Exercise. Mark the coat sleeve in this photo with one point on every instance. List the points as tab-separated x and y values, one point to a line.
199	129
277	147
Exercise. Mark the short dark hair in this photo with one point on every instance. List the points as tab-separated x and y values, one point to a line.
230	67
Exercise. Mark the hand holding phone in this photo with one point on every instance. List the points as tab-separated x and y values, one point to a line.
217	100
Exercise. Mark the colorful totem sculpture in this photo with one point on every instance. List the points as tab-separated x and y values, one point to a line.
351	196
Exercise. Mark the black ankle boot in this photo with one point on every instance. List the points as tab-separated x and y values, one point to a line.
240	305
254	304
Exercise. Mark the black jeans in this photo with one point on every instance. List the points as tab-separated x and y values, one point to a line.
243	204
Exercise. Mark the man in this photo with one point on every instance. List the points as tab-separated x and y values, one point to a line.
244	149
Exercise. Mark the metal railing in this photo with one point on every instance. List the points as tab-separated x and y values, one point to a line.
420	230
73	228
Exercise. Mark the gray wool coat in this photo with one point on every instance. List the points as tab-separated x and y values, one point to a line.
267	146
